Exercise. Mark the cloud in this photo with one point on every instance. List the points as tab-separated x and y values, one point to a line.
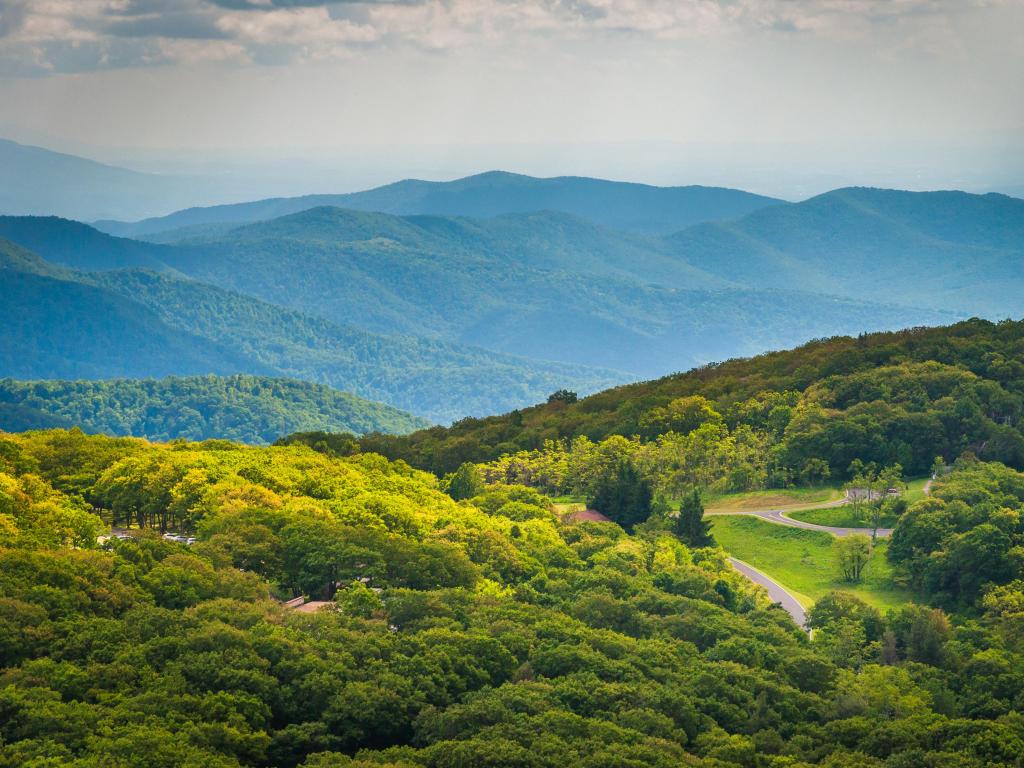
43	36
172	25
12	16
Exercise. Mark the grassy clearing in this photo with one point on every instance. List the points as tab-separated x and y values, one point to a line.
773	499
915	490
565	507
802	561
840	517
848	516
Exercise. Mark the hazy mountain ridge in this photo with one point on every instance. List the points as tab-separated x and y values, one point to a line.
620	205
552	286
584	299
135	323
38	181
949	249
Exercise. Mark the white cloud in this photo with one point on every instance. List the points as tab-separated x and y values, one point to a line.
43	33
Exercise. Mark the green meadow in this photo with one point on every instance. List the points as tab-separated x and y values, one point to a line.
802	561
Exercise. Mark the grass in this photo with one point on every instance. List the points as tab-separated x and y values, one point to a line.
915	490
773	499
848	517
802	561
568	500
840	517
565	507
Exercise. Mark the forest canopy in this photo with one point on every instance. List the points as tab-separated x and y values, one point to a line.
891	398
480	632
251	409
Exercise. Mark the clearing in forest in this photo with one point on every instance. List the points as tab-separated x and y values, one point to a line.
802	561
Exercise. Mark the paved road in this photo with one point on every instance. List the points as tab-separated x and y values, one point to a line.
779	517
776	591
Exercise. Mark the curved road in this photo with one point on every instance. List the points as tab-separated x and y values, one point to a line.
776	591
779	517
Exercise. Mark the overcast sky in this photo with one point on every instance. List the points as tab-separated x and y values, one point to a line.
787	97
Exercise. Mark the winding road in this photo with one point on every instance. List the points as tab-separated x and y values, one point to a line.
776	591
779	517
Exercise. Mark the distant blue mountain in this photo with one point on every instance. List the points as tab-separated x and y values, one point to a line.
37	181
545	286
617	205
63	324
929	249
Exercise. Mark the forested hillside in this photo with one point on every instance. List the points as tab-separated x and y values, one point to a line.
542	286
455	634
134	323
57	325
250	409
309	295
766	421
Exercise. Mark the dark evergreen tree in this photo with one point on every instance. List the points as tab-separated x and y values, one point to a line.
690	525
623	496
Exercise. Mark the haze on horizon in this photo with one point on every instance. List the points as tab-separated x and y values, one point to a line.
781	97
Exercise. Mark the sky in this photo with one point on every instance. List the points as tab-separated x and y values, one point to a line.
784	97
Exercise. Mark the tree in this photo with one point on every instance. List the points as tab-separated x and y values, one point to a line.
921	633
842	605
359	600
466	482
852	554
563	396
623	496
815	471
874	483
682	415
690	524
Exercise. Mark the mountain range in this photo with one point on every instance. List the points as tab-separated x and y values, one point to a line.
546	286
34	180
486	294
65	324
617	205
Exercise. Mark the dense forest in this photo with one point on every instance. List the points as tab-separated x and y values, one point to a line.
250	409
476	633
769	421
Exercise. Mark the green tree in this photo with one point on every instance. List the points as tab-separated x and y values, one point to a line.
466	482
359	600
851	555
565	396
690	524
623	496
